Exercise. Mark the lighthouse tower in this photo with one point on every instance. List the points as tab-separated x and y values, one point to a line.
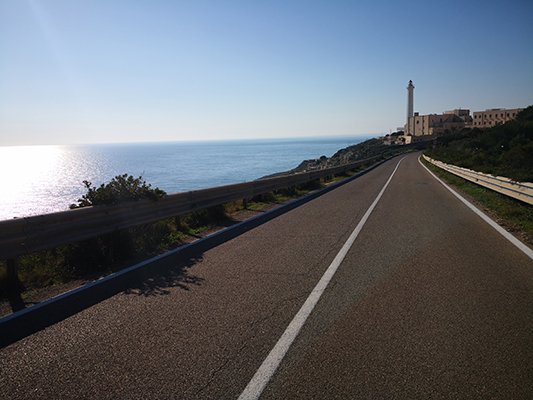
410	100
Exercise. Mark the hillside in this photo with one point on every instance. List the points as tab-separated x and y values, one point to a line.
504	150
366	149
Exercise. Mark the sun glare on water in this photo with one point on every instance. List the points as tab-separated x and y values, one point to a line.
23	170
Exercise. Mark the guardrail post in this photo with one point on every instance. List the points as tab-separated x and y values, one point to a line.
245	203
12	268
177	221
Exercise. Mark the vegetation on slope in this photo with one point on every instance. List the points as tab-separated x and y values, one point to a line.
504	150
367	149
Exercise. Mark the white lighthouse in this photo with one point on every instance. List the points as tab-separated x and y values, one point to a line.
410	100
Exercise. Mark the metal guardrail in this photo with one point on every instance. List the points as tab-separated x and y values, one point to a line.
27	235
518	190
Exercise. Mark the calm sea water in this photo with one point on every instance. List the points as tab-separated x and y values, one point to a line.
43	179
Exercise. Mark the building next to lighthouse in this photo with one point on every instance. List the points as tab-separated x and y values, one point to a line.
488	118
426	127
420	128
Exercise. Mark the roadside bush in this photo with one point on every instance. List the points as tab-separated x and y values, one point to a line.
98	253
312	185
102	252
288	191
121	189
269	197
201	218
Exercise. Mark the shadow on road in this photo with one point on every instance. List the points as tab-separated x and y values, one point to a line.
157	283
148	280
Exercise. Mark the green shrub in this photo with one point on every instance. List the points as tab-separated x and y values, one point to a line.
505	149
269	197
104	251
312	185
121	189
288	191
202	218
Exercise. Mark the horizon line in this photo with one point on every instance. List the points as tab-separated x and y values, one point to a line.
369	135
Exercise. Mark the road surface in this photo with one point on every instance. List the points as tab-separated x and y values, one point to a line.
428	302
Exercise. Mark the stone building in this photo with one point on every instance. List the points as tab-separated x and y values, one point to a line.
488	118
426	127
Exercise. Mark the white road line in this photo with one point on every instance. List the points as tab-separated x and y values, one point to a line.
526	250
271	363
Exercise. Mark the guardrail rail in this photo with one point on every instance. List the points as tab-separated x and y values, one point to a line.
21	236
518	190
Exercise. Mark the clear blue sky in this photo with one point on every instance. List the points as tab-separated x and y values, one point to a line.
90	71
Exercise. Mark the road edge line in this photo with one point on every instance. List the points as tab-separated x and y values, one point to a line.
525	249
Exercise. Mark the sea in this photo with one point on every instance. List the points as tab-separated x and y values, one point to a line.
37	180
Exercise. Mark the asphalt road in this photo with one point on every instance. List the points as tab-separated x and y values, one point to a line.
429	302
